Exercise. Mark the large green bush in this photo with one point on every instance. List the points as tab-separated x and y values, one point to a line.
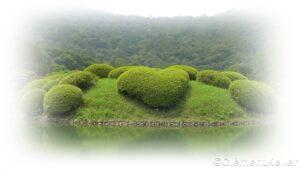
252	95
62	99
31	102
80	79
189	69
155	87
101	70
115	73
214	78
234	75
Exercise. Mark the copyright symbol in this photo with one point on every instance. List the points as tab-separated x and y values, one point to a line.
217	161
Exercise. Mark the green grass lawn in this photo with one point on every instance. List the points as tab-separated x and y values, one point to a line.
201	102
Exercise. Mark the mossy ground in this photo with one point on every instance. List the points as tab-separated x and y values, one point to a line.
201	102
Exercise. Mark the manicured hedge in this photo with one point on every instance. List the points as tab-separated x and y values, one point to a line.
252	95
115	73
31	102
189	69
155	87
101	70
62	99
214	78
234	75
80	79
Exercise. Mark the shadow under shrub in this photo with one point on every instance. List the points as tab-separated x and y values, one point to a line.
62	99
31	102
214	78
159	88
189	69
101	70
80	79
253	95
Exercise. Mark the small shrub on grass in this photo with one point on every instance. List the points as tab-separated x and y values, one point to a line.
252	95
214	78
62	99
101	70
80	79
234	75
189	69
59	75
31	102
50	84
244	69
155	87
115	73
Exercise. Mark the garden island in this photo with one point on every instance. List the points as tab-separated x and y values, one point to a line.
103	95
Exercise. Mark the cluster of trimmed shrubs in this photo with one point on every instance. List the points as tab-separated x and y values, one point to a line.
219	79
61	93
252	95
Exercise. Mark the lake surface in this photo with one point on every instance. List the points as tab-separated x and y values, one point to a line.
94	139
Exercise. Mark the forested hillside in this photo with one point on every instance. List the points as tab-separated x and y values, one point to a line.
74	41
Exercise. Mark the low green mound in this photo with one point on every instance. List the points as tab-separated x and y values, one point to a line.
80	79
155	87
101	70
252	95
31	102
115	73
50	84
189	69
62	99
234	75
201	102
214	78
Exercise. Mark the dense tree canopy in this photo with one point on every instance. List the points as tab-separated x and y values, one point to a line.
75	41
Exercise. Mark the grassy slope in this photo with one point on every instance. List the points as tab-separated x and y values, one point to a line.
201	102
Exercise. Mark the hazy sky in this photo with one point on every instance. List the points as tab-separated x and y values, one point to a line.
152	7
162	7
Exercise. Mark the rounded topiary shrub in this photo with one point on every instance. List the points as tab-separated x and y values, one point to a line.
80	79
35	84
189	69
115	73
101	70
155	87
50	84
252	95
234	75
31	102
56	75
62	99
242	68
214	78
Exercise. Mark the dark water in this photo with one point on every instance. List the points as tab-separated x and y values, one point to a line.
133	139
